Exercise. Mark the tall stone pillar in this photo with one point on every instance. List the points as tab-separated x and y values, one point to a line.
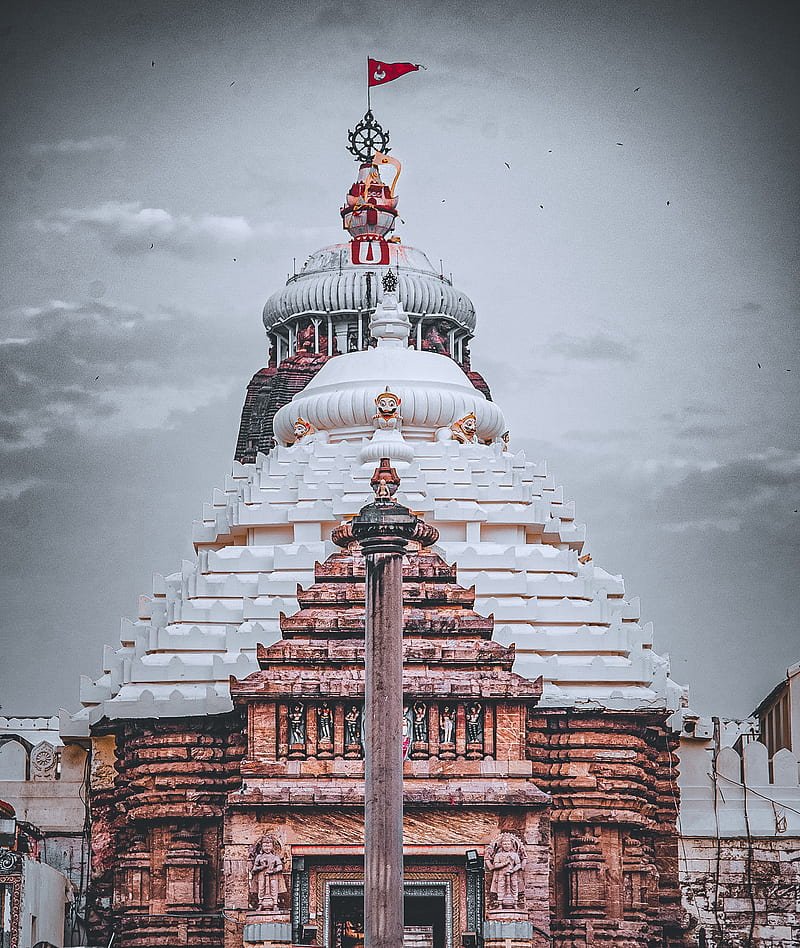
384	529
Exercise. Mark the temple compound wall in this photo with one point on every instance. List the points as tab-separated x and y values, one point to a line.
740	842
45	781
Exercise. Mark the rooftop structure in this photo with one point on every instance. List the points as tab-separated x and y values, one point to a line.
362	319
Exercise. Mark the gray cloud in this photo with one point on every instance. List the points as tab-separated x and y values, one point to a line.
758	490
130	229
600	347
64	366
82	146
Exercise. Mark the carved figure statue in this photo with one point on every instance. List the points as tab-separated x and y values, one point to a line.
325	724
305	338
382	491
434	341
506	857
267	882
352	725
297	724
447	725
419	726
475	723
387	415
301	428
465	429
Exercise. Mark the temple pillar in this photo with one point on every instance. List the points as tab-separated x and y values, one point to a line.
383	529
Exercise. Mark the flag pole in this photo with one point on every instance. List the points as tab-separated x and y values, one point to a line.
369	106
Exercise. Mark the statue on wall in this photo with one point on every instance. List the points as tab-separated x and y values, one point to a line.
301	428
297	724
387	416
267	882
419	723
352	726
325	723
506	858
447	725
474	723
465	430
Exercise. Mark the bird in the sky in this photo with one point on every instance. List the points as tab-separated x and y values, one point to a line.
443	201
620	144
97	378
549	151
152	62
758	364
151	246
667	203
637	88
507	165
788	370
234	259
233	83
541	207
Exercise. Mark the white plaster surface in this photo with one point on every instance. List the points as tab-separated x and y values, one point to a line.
44	898
502	519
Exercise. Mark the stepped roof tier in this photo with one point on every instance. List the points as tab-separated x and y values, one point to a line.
503	524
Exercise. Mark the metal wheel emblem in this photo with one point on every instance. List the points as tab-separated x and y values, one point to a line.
367	138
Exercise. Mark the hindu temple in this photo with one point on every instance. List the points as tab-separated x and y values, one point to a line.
227	734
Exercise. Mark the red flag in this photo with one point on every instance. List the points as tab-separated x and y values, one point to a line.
378	72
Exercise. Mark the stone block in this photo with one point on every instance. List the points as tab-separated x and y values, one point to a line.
517	929
268	932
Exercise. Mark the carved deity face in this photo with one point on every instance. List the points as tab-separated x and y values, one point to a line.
507	845
387	404
301	428
469	425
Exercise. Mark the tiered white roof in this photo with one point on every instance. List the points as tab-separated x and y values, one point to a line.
501	519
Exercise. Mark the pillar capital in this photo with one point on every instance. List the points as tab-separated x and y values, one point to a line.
384	526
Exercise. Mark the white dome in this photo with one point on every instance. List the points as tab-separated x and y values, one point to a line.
435	391
331	283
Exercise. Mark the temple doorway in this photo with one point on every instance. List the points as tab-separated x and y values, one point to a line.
426	923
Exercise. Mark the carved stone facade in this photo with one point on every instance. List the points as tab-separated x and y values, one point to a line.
524	826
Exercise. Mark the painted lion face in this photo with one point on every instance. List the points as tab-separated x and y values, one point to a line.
387	403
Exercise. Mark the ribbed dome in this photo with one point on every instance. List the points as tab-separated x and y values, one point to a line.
331	283
435	392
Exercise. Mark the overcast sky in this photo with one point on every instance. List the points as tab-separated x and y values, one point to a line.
634	273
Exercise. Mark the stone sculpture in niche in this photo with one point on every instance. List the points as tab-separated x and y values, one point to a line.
419	723
352	727
297	725
506	858
474	723
325	724
447	725
301	428
465	430
387	415
267	882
